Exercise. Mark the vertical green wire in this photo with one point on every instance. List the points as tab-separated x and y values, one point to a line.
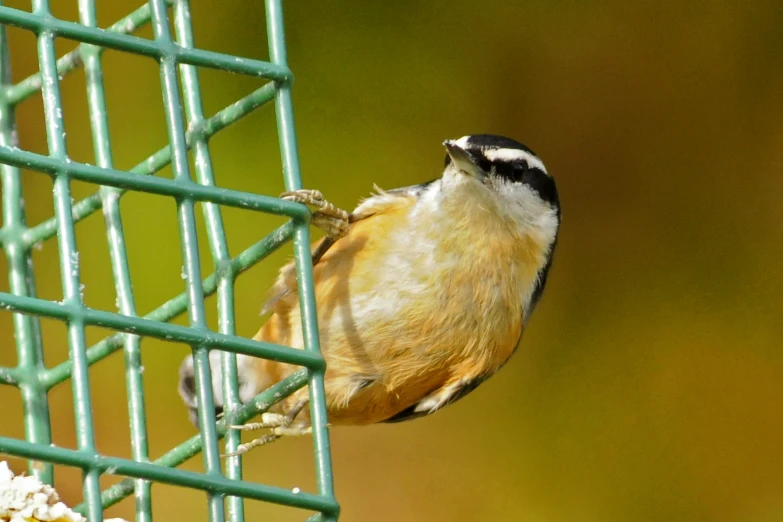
304	267
69	262
91	56
218	246
21	281
192	268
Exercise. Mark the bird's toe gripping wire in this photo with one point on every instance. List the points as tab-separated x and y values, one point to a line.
280	426
327	217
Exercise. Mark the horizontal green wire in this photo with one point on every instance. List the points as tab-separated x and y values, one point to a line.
70	61
160	186
155	49
175	306
165	331
191	447
230	114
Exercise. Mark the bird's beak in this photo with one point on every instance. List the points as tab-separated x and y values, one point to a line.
463	160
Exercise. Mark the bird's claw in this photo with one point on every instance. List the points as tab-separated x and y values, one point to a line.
280	426
327	217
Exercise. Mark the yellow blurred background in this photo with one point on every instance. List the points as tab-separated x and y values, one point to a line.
650	381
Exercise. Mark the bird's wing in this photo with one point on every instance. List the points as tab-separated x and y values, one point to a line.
285	286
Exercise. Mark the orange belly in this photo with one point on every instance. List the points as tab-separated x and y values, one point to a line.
405	312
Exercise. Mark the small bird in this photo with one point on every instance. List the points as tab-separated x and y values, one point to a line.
422	292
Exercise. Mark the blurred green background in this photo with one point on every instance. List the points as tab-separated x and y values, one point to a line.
650	380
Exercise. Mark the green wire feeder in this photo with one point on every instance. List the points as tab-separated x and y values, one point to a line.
174	53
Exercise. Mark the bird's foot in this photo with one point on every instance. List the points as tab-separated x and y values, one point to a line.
327	217
280	426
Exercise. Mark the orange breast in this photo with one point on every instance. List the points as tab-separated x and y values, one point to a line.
405	309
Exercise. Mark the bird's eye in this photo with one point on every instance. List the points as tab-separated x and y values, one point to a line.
513	172
518	172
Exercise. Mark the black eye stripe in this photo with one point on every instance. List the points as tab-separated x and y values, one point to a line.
543	184
482	162
517	171
533	177
510	171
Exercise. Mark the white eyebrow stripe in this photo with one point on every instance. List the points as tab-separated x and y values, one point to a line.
513	155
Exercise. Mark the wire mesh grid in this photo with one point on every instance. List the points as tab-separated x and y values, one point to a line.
188	130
